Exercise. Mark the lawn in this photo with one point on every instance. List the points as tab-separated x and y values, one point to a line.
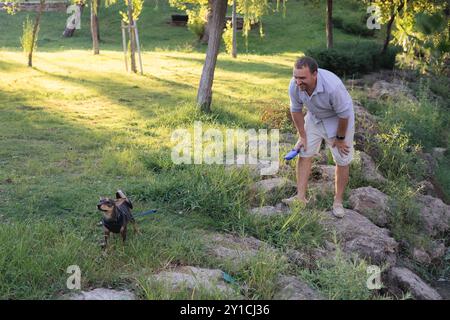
77	126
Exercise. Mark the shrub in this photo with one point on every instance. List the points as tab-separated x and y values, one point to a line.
353	58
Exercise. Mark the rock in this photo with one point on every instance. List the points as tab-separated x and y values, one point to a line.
369	169
273	184
366	128
321	157
437	250
421	256
232	247
308	258
193	278
430	163
372	204
322	187
290	288
323	172
268	211
382	90
256	170
402	279
427	188
103	294
438	153
360	236
434	213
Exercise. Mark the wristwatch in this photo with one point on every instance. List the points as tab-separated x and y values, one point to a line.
340	138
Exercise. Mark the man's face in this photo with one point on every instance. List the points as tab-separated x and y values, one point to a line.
304	79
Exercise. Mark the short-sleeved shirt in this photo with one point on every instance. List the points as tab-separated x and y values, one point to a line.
329	101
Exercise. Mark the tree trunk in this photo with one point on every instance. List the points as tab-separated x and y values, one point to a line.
131	37
329	24
389	28
204	95
234	25
35	32
94	26
205	36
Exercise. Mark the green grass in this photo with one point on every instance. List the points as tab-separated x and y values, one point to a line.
77	126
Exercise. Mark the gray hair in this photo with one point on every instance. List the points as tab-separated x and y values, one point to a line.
306	61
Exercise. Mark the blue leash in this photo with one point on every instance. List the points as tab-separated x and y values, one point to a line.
145	213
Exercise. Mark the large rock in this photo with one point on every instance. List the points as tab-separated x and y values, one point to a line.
395	89
270	189
425	187
369	169
307	258
193	278
290	288
366	128
233	248
268	211
438	153
360	236
323	172
435	214
372	204
103	294
402	279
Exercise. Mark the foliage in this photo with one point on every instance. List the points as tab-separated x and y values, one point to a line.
346	59
27	37
422	30
227	37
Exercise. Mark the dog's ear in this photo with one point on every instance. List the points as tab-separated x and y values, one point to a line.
121	195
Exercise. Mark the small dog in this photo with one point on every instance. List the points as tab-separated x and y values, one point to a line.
116	216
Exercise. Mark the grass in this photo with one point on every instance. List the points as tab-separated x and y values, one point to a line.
77	126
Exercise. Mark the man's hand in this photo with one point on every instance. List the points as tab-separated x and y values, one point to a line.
342	147
301	143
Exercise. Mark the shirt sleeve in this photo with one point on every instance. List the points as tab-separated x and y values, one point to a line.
296	104
341	102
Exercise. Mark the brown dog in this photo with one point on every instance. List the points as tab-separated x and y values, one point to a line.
116	216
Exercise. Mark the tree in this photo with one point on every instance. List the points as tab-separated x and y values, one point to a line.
204	95
329	24
421	28
252	11
30	35
95	33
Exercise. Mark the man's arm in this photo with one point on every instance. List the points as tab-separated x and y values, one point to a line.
342	127
299	122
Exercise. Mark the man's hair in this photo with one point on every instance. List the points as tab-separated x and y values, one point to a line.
306	61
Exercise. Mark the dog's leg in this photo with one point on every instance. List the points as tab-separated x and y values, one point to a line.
135	228
106	237
123	233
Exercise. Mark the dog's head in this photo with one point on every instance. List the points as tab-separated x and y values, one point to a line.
109	206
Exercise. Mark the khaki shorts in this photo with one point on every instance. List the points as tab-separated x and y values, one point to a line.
315	133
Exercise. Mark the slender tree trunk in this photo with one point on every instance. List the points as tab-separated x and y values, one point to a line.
329	24
205	36
204	95
35	32
234	24
389	27
94	26
132	37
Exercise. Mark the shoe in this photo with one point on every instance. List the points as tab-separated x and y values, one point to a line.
338	210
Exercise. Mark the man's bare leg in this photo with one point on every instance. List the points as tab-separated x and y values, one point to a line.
342	176
303	172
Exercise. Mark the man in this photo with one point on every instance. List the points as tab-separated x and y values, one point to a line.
329	116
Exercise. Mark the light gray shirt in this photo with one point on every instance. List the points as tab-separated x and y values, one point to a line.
329	101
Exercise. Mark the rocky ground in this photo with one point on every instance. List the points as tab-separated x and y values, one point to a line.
364	231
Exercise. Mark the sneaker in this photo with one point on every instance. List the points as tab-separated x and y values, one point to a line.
338	210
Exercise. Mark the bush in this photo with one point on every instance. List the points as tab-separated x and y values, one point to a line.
353	27
350	58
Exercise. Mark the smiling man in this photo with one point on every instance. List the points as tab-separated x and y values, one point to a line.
329	117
